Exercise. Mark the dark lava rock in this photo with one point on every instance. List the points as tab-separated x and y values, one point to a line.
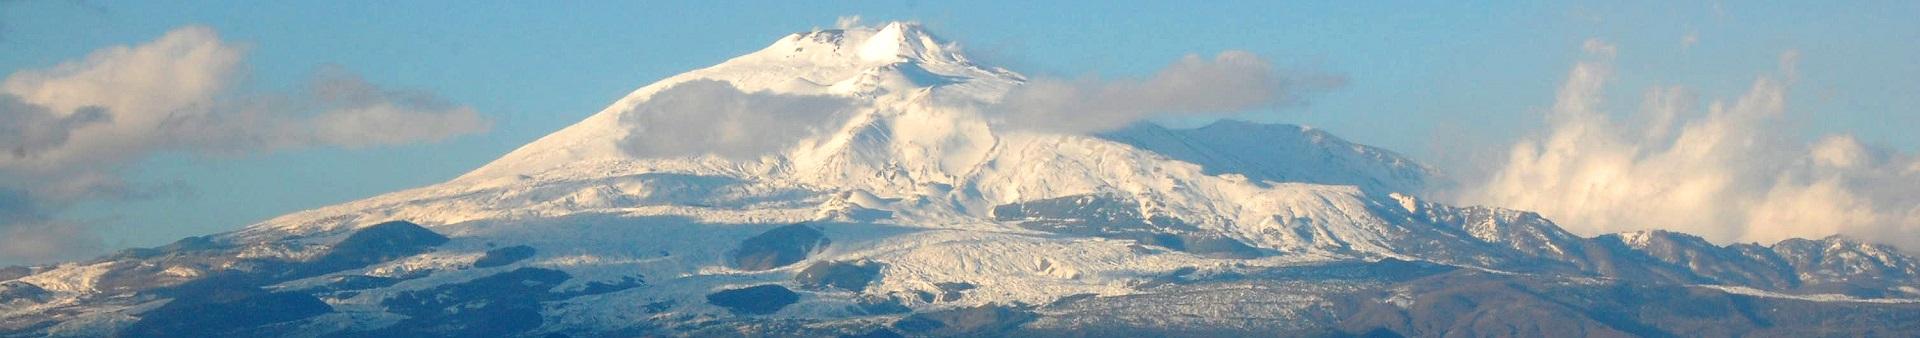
184	245
754	300
504	256
876	333
1118	217
371	245
988	320
503	304
1205	245
12	291
346	286
778	247
880	306
844	275
220	307
1085	215
658	307
599	287
1219	247
952	291
1471	303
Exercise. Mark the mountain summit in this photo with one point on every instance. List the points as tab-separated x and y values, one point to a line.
855	182
897	60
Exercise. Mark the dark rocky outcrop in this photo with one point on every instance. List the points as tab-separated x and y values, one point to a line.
754	300
1118	217
371	245
184	245
223	307
778	247
350	285
953	291
18	291
851	276
1470	303
503	304
1217	247
988	320
504	256
879	305
876	333
601	287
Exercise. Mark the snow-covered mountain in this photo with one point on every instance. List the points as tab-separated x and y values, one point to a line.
911	210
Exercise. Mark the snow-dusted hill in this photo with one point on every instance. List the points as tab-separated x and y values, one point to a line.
907	207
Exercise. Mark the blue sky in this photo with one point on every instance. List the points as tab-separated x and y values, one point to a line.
1442	81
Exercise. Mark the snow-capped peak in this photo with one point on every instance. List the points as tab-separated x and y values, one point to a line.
890	43
869	65
906	41
904	188
913	134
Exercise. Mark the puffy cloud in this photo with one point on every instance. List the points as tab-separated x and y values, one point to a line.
1231	82
69	129
1732	172
29	129
172	93
846	22
139	88
713	117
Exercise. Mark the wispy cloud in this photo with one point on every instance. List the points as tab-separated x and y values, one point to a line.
69	129
846	22
1231	82
703	117
1730	172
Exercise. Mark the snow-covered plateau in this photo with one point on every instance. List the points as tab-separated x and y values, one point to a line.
909	209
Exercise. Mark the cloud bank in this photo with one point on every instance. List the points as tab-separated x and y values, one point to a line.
713	117
1731	172
1194	86
68	129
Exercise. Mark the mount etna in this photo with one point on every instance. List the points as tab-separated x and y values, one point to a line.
880	194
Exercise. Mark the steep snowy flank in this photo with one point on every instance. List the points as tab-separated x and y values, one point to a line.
1284	153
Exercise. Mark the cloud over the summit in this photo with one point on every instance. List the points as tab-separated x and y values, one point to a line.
1231	82
69	129
1732	171
713	117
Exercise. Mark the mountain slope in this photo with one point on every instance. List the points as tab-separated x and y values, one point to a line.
911	211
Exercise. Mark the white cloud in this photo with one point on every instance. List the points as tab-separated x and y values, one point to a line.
69	129
358	114
139	88
846	22
1729	173
29	129
703	117
1232	82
